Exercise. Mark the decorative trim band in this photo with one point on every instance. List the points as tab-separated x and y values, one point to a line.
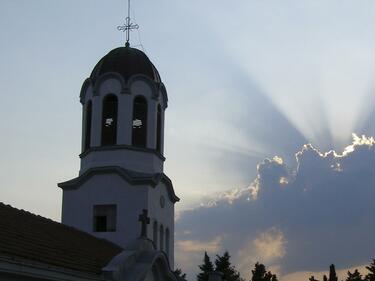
132	177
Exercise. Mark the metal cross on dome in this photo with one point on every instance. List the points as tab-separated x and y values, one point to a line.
128	26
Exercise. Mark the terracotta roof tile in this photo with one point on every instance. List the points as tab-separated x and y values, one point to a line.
25	235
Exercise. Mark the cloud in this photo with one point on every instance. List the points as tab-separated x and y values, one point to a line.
189	252
267	247
199	246
294	219
270	245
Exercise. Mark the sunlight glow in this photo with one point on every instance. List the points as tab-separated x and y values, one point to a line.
322	89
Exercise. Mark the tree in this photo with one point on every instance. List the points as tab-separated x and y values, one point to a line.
371	268
270	277
178	273
312	278
355	276
260	273
332	273
206	268
325	278
223	265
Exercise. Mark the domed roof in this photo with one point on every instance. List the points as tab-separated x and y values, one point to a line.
127	62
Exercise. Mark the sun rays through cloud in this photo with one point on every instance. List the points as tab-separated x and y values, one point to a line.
285	215
335	107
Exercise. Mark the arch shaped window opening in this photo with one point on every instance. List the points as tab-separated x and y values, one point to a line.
158	129
167	239
155	234
88	118
139	125
161	236
109	120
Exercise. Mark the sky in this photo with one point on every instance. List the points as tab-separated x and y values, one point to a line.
259	94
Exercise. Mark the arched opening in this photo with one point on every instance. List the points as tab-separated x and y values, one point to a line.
155	234
109	120
161	244
158	129
139	132
88	117
167	241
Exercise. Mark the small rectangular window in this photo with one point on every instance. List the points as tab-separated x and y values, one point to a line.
104	219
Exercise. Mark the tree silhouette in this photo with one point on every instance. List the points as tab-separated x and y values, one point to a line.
223	265
355	276
205	268
260	273
178	273
325	278
312	278
371	275
332	273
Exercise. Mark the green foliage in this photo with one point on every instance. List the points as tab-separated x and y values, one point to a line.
355	276
179	274
260	273
371	275
222	264
205	268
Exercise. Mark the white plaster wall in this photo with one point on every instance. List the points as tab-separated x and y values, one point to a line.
112	189
106	189
164	216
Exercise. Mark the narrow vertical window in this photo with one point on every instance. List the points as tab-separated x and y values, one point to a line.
161	238
155	234
139	132
109	120
158	129
167	241
88	125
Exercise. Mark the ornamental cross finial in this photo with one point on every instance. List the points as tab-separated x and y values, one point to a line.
145	220
128	26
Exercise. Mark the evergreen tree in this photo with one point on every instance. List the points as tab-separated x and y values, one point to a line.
178	273
223	265
270	277
332	273
325	278
260	273
206	268
312	278
371	275
355	276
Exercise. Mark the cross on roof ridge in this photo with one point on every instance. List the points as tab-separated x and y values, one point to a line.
145	220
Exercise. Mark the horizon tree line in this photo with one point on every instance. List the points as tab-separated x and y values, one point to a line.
223	264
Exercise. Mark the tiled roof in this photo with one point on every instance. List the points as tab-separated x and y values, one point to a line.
28	236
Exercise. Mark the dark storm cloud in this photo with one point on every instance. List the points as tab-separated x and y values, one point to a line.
293	219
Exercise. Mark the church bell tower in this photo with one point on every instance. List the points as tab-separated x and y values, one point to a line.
121	171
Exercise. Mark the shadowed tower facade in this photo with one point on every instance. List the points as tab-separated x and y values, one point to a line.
121	171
